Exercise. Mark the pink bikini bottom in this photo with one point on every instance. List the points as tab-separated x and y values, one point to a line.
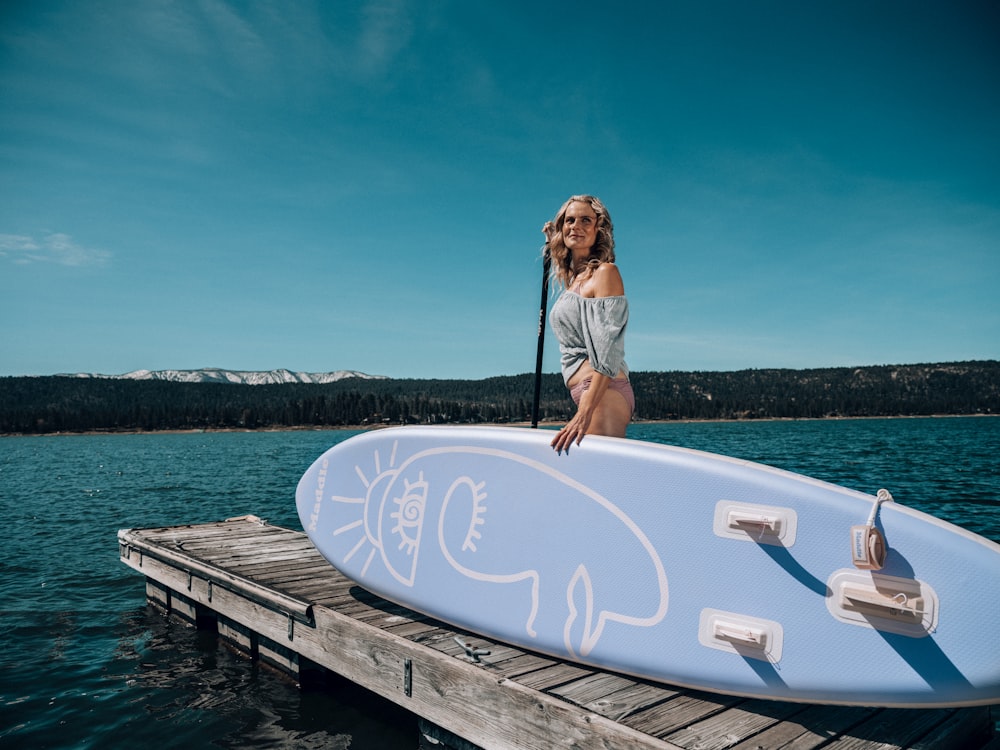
622	386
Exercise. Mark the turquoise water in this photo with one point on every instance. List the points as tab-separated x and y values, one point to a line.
85	663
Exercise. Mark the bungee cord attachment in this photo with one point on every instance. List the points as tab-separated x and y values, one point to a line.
868	547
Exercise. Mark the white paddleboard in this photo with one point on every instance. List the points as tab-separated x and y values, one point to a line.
665	563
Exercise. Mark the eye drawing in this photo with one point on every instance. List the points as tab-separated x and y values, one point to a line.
409	514
478	510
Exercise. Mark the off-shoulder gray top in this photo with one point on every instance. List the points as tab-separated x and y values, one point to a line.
590	328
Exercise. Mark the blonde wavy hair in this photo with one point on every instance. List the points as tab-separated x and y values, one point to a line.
603	250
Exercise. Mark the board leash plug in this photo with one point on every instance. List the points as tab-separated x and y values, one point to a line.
868	547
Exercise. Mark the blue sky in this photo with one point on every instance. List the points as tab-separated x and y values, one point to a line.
361	185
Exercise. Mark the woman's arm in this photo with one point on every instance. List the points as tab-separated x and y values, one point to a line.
606	281
580	424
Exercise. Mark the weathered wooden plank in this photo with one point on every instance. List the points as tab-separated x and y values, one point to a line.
412	629
157	593
383	620
226	538
620	704
253	551
808	729
359	607
891	729
522	664
336	597
237	634
303	575
278	599
379	610
558	674
301	567
728	728
241	561
452	693
180	573
591	688
680	711
230	532
968	728
311	590
232	535
335	582
457	695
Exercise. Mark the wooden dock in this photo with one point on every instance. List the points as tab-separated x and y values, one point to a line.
267	590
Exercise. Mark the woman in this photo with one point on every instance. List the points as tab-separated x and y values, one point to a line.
589	319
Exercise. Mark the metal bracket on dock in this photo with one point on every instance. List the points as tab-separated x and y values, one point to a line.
190	579
210	591
408	678
291	625
471	651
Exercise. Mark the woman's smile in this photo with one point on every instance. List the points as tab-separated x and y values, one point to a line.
580	227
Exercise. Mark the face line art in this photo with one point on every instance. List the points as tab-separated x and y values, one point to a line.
479	510
530	574
390	493
410	513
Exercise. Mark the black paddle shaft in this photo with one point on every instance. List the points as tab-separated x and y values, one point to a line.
546	264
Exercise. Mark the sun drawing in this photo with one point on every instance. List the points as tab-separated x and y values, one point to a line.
403	504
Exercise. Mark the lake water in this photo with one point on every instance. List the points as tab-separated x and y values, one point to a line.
86	664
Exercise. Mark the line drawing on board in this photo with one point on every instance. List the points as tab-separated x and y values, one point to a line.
460	501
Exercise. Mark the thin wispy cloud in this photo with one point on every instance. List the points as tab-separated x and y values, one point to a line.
57	248
775	204
385	31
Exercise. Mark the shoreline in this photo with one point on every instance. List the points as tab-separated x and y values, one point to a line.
527	425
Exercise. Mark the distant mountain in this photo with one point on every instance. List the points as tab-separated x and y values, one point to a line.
242	377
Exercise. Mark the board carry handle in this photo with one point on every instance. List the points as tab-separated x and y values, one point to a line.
868	547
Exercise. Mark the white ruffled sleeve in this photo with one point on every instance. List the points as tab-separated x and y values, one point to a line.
604	321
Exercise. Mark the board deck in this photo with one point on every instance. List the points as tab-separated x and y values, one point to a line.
665	563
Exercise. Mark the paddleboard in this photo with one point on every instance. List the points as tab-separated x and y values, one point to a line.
665	563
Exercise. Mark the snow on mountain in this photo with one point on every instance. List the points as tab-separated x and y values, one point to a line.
219	375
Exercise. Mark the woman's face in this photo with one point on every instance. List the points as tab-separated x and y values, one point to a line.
579	228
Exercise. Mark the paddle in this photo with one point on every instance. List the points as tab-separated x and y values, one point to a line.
546	264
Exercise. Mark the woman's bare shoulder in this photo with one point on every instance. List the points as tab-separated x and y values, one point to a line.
607	281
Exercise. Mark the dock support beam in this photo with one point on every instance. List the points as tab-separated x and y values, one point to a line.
433	737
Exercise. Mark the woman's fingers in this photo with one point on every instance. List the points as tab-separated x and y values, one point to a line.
572	432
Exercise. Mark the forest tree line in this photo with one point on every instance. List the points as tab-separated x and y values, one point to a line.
41	405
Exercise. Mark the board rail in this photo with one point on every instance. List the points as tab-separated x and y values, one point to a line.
268	591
